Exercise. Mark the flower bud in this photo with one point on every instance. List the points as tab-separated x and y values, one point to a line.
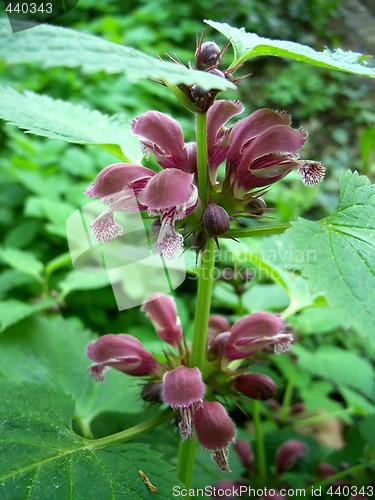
152	392
215	431
245	452
257	206
287	454
122	352
161	311
255	385
215	219
325	470
198	241
207	55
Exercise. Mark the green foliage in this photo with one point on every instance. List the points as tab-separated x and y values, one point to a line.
51	46
46	459
343	245
249	45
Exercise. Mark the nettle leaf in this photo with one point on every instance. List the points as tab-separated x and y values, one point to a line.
13	311
52	351
20	260
43	458
52	46
56	119
343	246
249	45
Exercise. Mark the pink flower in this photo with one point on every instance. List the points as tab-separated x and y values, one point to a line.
245	452
161	311
183	389
122	352
215	431
255	385
288	453
253	333
263	149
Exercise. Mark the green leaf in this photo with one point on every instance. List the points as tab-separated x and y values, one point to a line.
340	366
366	428
343	247
43	458
56	119
13	311
52	46
249	45
55	211
52	351
23	261
76	280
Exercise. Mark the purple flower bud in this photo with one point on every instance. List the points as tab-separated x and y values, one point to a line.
207	55
255	332
217	324
287	454
215	431
152	392
245	452
122	352
325	470
255	385
215	219
161	311
257	206
183	389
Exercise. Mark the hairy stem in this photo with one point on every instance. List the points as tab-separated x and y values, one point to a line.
202	155
133	432
259	443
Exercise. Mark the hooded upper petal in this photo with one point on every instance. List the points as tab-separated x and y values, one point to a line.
117	177
168	188
162	135
162	312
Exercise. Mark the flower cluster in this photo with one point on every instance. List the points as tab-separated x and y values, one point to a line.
190	392
257	151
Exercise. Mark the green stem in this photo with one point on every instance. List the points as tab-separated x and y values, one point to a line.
340	475
259	443
133	432
203	305
287	399
202	155
248	232
182	98
186	454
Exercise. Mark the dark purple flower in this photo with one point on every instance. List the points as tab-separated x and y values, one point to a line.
183	389
245	452
122	352
288	453
263	149
255	385
215	431
253	333
161	311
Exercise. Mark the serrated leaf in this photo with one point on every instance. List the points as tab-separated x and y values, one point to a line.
56	119
344	245
43	458
52	351
52	46
249	45
20	260
339	366
13	311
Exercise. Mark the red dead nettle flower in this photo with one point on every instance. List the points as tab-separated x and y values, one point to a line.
183	390
161	311
122	352
215	431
